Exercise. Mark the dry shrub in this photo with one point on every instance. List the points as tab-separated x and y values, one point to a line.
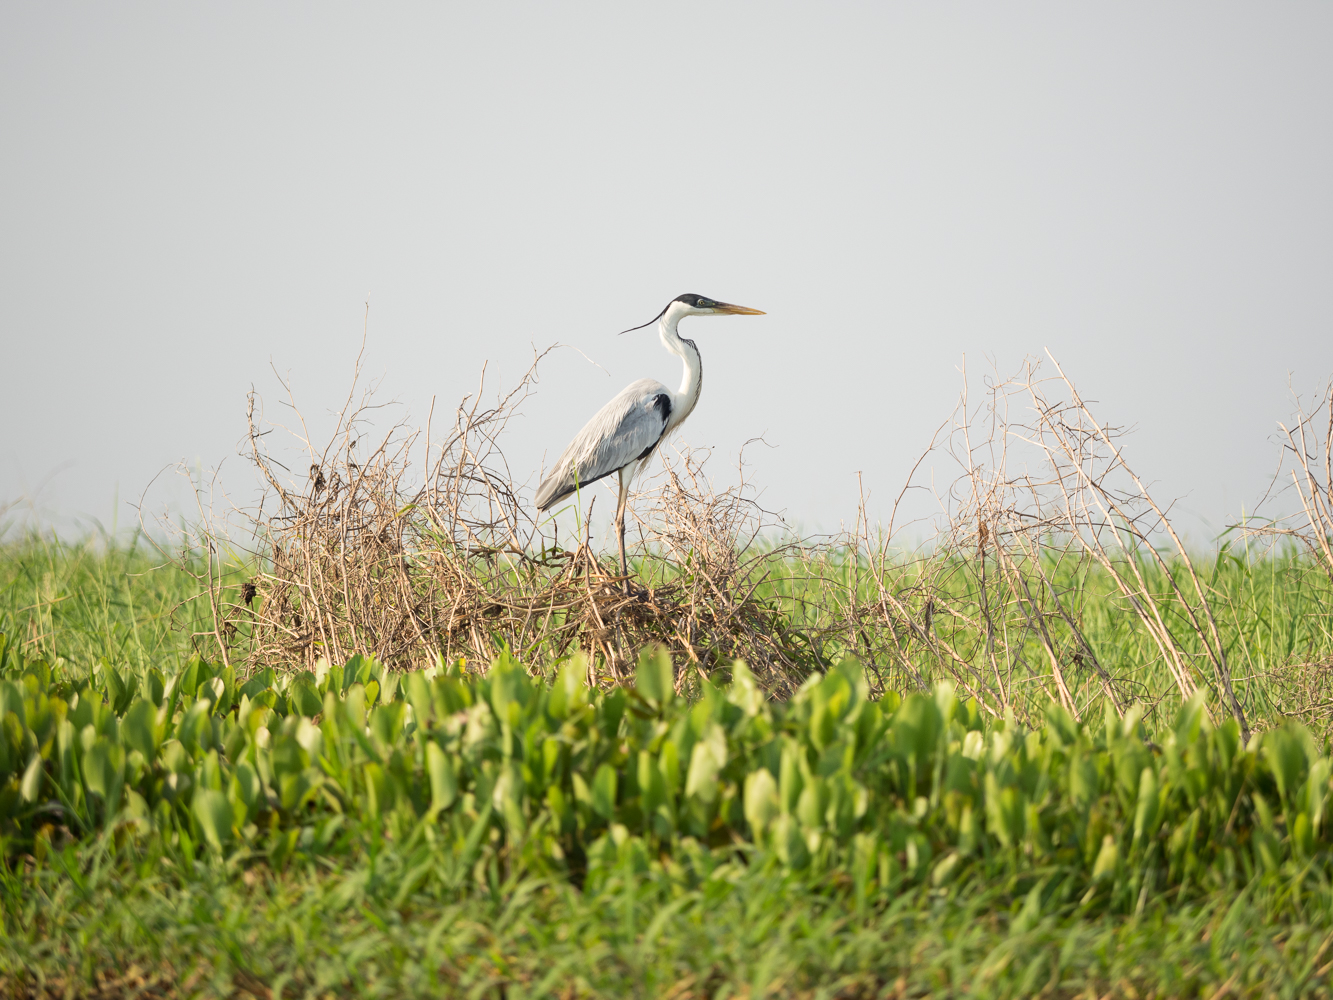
374	553
1304	475
1301	492
1304	691
380	551
993	599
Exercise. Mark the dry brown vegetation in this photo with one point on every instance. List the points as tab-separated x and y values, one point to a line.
1049	571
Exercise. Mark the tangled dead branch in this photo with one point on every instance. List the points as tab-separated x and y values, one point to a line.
1042	499
360	559
1305	474
405	548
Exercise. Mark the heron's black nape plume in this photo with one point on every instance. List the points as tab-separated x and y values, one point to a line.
689	299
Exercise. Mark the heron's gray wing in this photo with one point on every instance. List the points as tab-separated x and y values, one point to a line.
624	430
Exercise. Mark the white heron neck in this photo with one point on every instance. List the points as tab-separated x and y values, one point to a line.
691	381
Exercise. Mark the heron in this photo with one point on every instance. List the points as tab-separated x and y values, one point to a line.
623	435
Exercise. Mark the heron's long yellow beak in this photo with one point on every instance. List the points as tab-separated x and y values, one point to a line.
727	309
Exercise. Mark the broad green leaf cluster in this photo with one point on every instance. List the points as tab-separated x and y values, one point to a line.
515	775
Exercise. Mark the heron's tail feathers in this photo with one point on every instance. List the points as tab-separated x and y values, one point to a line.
554	488
562	481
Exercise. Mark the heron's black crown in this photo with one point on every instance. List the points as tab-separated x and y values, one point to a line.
696	301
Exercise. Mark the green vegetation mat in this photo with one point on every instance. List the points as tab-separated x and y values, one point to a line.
173	827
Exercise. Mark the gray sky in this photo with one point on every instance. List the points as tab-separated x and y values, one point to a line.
190	192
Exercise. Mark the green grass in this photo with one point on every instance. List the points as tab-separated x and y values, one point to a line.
93	599
207	928
1274	612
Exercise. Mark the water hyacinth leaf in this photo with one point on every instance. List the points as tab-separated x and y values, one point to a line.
812	806
1302	835
388	687
443	778
1286	759
243	794
157	686
355	671
932	781
1108	857
789	842
917	722
1061	723
137	728
604	791
309	738
195	731
745	692
1145	812
1005	813
790	779
354	704
1189	720
655	677
668	761
386	723
119	690
103	771
652	786
707	759
762	804
31	785
946	699
569	692
1316	791
213	812
11	739
304	697
419	697
945	869
293	790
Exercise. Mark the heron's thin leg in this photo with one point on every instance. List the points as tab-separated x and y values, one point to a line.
620	529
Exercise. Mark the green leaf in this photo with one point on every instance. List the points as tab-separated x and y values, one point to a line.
789	842
443	778
604	791
1145	813
31	784
652	786
378	790
418	696
762	805
213	812
196	728
744	691
104	770
813	804
707	759
244	792
1302	835
304	697
655	677
790	781
1286	759
137	728
1083	783
1316	790
1061	723
1107	859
